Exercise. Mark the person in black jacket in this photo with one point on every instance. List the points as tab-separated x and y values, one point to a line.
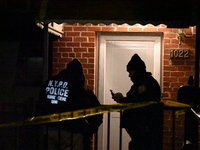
142	124
65	92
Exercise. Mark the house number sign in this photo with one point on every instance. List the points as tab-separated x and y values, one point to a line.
179	53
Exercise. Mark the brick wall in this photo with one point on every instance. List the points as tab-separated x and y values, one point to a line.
79	41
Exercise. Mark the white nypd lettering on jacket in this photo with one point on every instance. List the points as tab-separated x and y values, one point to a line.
57	91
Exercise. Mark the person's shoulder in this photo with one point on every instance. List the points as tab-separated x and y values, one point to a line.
149	76
89	91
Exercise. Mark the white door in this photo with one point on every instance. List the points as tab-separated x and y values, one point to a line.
115	51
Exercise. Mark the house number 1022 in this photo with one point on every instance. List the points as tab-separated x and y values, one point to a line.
179	53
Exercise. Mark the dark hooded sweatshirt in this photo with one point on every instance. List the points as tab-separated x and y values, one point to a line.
65	92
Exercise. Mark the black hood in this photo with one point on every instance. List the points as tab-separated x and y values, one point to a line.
74	67
73	72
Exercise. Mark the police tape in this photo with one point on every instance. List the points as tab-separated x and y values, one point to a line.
82	113
175	104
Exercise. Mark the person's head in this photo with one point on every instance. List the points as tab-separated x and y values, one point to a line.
74	70
74	67
136	66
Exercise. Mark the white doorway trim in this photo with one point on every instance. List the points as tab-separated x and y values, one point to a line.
103	39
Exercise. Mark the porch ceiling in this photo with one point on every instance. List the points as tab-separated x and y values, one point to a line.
173	13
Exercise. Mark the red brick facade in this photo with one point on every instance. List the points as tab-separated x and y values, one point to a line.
79	41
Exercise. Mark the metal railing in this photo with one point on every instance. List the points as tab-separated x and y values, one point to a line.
27	138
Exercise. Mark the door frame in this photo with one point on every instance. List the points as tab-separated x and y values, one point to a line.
97	54
99	69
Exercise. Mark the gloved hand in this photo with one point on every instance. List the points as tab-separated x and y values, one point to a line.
117	97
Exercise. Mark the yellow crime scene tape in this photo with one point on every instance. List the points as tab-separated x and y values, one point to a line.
89	112
175	104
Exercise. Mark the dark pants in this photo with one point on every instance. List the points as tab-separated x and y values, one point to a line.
144	138
146	130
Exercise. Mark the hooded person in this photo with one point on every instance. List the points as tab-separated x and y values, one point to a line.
65	92
142	124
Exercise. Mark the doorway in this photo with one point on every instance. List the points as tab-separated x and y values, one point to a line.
114	52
